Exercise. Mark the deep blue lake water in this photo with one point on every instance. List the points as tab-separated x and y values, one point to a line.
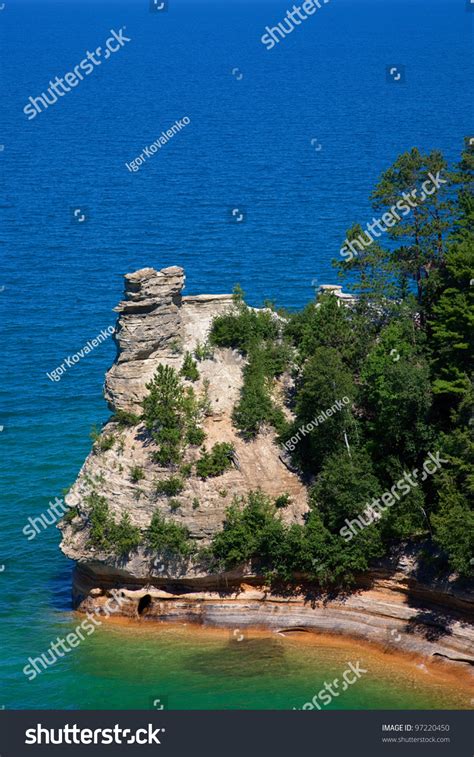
257	121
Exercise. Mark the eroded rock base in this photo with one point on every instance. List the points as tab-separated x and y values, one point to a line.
406	619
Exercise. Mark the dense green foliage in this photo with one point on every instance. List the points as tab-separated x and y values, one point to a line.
323	379
256	405
195	436
375	388
419	237
407	366
254	534
170	486
243	328
171	413
125	418
325	324
283	500
125	536
215	462
402	356
167	538
70	514
396	394
136	474
119	538
452	324
164	537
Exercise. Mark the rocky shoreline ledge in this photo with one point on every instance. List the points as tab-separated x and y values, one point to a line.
392	609
396	604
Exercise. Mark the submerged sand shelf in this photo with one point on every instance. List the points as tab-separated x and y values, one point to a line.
315	651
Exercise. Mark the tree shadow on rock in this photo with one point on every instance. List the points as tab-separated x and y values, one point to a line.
429	622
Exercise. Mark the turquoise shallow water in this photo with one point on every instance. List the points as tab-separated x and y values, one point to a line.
153	666
249	143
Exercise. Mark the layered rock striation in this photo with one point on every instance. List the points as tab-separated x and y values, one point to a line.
155	322
157	325
394	605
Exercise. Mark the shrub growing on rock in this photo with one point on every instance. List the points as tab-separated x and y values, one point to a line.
256	405
126	418
283	500
125	537
105	533
186	469
189	370
170	486
243	533
163	413
203	351
243	327
101	442
170	413
195	436
136	474
70	514
100	521
167	537
215	462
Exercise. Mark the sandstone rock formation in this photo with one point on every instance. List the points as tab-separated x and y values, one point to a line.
156	325
392	607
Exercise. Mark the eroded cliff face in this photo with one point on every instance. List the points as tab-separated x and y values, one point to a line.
149	325
394	605
157	325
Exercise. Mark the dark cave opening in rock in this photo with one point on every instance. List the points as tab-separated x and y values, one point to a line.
144	604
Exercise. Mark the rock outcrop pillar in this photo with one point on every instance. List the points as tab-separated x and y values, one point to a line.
149	327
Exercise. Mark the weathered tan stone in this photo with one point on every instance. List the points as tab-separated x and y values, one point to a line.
157	325
145	339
